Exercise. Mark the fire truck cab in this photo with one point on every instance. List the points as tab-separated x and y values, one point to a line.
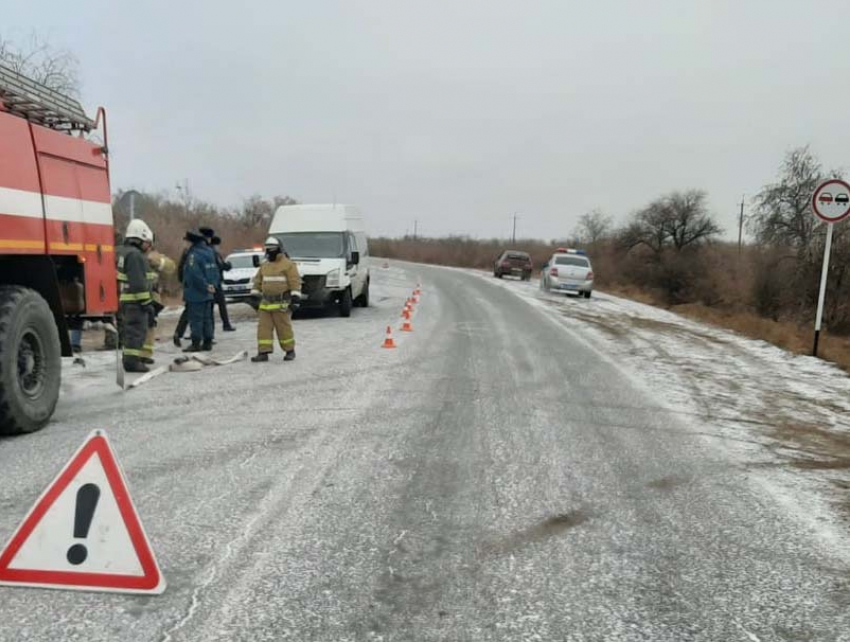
57	265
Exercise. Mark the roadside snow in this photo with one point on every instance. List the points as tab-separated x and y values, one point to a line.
785	417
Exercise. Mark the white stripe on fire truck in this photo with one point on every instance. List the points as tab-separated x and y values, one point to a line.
16	202
76	210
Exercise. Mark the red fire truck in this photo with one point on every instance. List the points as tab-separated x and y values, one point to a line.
57	261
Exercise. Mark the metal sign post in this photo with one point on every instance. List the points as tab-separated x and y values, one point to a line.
831	204
823	274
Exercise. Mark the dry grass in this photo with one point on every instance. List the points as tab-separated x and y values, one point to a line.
785	334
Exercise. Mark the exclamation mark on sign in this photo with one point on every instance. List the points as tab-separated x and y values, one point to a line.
87	498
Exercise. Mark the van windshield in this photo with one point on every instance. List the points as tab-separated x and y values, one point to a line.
313	245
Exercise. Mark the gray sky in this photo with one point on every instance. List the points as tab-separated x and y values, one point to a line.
459	113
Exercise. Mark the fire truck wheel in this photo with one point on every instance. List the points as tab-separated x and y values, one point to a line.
30	360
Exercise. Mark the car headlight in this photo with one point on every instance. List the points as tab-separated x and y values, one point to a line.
332	279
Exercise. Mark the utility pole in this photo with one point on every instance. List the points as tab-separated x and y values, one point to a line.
513	234
741	226
415	228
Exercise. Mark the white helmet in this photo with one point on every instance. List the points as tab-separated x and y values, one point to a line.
273	242
138	229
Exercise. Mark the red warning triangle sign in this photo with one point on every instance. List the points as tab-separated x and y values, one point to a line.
84	533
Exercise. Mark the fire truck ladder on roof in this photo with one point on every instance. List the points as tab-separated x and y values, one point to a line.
41	104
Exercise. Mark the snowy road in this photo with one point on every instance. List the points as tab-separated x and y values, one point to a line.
518	469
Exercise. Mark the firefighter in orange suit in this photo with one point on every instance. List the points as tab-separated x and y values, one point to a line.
278	287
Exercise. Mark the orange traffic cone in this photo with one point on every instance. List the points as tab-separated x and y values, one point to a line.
415	298
407	326
406	312
389	342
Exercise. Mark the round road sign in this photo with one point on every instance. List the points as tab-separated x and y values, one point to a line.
831	201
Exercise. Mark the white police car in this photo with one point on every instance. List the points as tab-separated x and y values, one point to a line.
568	271
236	282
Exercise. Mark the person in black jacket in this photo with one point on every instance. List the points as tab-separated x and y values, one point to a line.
220	299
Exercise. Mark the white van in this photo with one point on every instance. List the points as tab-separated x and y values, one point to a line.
329	245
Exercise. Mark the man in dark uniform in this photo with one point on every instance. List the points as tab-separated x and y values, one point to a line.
220	299
208	234
135	293
200	275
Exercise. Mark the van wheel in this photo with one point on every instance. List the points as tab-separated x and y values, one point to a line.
345	303
363	299
30	361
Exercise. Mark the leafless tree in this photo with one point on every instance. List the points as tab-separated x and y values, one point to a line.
678	220
783	214
38	60
593	227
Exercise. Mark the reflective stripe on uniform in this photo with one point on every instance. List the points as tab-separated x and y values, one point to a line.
122	276
273	307
147	347
264	342
139	297
130	352
274	279
287	341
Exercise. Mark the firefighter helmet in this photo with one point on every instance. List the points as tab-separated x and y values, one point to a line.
273	243
138	229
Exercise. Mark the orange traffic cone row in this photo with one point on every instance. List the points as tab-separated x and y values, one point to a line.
389	342
406	312
407	326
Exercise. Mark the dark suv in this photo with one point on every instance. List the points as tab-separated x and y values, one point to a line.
513	263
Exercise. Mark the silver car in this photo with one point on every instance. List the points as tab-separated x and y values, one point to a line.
568	271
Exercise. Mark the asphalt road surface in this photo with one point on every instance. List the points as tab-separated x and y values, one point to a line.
496	477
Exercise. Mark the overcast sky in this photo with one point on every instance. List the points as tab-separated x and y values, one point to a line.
459	113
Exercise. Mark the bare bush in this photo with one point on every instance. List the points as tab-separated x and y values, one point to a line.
666	236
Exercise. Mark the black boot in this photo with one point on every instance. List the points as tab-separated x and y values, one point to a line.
132	364
195	347
229	328
261	358
147	360
177	341
207	347
289	356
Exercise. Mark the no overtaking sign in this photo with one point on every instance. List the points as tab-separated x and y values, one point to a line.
831	201
831	204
